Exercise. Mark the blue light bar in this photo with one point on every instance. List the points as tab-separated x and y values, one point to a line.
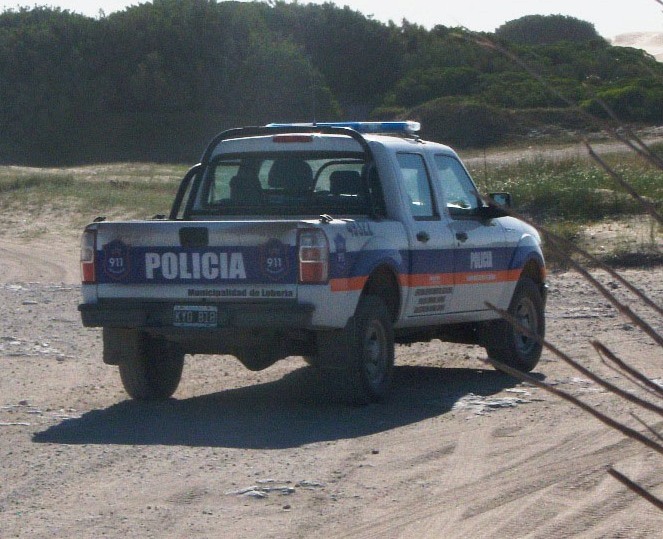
405	128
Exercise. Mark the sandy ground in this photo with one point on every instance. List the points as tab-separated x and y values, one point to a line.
458	451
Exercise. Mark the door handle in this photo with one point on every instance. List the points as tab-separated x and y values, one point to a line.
422	236
461	236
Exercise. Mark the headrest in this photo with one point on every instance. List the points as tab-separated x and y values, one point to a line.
294	175
345	182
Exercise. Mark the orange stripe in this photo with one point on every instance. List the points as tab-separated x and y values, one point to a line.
348	284
432	279
427	279
487	277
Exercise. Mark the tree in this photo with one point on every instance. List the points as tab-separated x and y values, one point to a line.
547	29
359	58
156	80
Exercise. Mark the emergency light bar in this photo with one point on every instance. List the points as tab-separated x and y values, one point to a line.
404	128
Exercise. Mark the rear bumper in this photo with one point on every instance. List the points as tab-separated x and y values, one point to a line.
157	315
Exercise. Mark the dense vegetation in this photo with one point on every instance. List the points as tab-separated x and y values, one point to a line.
547	30
155	81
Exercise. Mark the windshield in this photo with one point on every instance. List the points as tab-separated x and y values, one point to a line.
287	183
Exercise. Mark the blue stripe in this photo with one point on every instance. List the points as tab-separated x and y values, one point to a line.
117	263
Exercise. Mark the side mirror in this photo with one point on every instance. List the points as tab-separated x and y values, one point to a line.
503	200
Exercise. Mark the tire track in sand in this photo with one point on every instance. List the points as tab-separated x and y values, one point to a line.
551	488
38	261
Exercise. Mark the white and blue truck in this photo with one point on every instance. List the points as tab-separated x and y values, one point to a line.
329	241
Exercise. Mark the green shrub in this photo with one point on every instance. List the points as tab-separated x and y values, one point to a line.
638	101
574	189
546	29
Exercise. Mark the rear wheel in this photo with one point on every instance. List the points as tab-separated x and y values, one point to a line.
371	351
155	371
510	346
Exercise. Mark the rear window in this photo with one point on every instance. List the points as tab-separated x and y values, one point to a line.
285	184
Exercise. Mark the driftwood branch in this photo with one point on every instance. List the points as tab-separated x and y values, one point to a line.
603	418
639	147
648	206
657	502
621	307
634	373
565	247
630	397
651	429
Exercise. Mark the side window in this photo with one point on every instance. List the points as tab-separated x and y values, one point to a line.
417	185
459	191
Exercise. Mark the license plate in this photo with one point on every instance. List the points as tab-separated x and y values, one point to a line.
196	316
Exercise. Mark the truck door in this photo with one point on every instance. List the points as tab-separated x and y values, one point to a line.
481	257
430	269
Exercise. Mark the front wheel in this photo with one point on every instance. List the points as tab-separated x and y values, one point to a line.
371	351
509	345
155	372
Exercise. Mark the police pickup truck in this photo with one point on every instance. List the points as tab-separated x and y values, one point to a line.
327	241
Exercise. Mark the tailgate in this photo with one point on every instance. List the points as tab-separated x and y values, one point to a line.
218	261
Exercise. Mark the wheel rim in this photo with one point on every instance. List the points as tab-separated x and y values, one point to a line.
375	354
526	315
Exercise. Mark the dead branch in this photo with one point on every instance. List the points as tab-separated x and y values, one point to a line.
640	148
623	429
648	206
622	308
657	502
625	375
570	246
632	140
649	428
634	373
630	397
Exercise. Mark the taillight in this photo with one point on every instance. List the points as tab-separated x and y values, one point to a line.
88	247
313	257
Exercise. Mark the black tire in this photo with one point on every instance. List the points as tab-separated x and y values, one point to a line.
371	352
512	347
155	372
